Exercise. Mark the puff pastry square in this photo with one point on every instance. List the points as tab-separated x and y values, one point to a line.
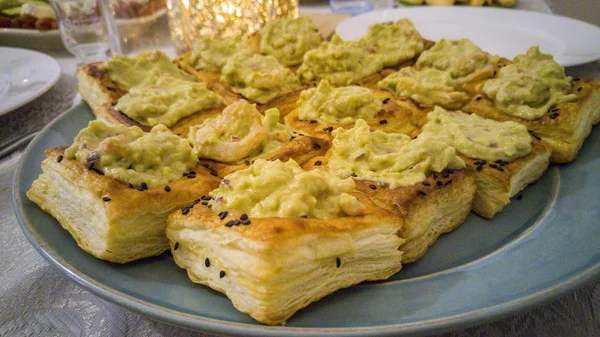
564	129
109	219
273	267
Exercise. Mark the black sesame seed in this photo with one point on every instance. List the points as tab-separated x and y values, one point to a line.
59	158
383	121
185	174
207	262
176	246
221	274
139	188
204	203
205	197
245	222
105	199
312	121
131	185
196	201
386	100
168	188
338	262
185	210
318	163
500	169
236	222
222	215
244	216
205	165
229	223
144	185
246	162
554	115
373	187
111	89
439	183
316	146
493	166
478	98
579	89
479	168
450	171
213	173
448	182
422	192
478	163
426	183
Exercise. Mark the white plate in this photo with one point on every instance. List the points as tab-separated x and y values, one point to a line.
24	76
31	39
506	32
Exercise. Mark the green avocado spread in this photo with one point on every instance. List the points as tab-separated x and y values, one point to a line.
212	53
258	77
441	74
327	104
166	101
460	60
393	42
477	137
392	159
132	156
289	40
425	86
143	69
240	132
529	87
340	62
284	190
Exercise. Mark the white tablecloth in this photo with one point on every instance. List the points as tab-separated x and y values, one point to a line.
38	300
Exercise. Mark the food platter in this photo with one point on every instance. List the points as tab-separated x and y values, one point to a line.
506	32
24	76
542	245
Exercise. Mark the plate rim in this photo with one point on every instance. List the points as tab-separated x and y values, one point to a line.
29	32
53	79
218	326
449	11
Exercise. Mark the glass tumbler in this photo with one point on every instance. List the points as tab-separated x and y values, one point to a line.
83	29
136	26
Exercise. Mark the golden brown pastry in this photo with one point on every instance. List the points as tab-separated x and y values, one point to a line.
428	209
272	267
564	129
110	219
499	181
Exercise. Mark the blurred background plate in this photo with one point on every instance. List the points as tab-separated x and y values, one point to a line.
31	39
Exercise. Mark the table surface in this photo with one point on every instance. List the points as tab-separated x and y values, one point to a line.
38	300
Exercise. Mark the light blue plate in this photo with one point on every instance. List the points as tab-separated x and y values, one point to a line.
538	248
